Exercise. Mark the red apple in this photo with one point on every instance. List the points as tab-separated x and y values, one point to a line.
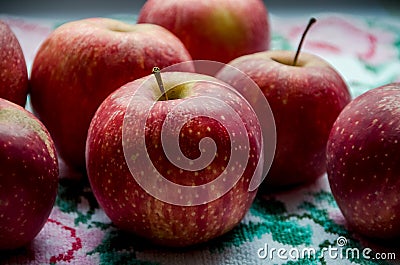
81	63
363	162
175	171
13	71
218	30
305	100
28	175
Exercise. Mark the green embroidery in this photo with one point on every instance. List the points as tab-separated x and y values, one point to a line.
274	220
324	196
70	194
265	207
321	217
279	223
102	226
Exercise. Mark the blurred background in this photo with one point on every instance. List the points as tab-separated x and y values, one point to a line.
78	8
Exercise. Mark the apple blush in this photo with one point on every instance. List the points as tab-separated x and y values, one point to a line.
306	94
13	71
139	138
363	162
28	176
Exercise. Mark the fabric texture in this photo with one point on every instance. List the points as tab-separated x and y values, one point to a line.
364	50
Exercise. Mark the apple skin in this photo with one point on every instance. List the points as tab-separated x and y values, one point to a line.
28	175
363	162
133	209
218	30
13	71
305	100
81	63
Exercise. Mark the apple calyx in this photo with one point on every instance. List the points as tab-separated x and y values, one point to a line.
310	23
157	74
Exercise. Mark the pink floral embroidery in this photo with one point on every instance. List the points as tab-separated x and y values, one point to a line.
76	245
61	242
341	35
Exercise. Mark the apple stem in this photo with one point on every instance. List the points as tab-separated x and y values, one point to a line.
157	74
310	23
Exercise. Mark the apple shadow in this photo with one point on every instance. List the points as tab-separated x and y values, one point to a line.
20	255
266	189
123	247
